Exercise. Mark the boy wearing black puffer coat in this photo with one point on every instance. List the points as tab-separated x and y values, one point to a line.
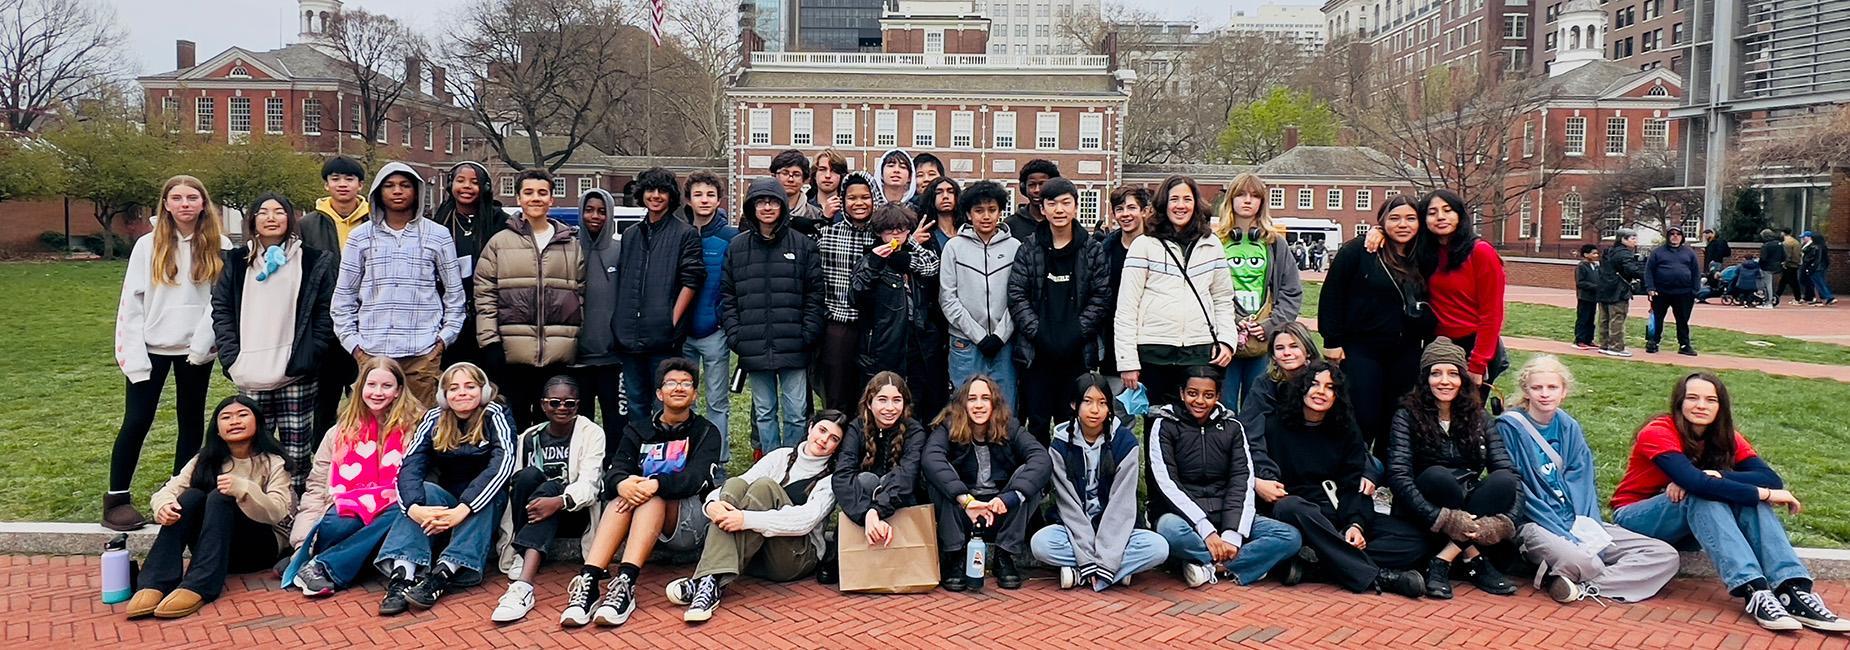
1058	294
771	306
895	316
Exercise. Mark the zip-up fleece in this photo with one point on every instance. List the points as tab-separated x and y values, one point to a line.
973	280
1155	306
529	300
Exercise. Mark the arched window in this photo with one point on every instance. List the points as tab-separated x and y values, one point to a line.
1658	91
1571	216
239	72
1573	37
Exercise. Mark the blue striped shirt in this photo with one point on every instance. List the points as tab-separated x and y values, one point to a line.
399	290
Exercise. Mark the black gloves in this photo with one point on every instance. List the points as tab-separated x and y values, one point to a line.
989	346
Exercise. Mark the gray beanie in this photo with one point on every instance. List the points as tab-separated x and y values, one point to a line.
1625	233
1442	350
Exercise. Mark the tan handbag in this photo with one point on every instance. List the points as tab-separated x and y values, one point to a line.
909	565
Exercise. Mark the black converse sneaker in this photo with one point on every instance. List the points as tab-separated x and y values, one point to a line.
1809	609
706	599
619	602
581	597
1487	578
1766	610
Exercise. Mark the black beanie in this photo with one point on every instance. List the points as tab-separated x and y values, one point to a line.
342	165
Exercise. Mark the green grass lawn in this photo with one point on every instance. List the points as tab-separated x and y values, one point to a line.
1557	324
64	401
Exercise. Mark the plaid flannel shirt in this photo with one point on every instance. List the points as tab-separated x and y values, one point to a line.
842	245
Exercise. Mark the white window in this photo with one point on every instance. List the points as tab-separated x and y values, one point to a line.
239	72
451	135
934	41
1656	133
1091	131
353	123
844	127
170	113
558	186
584	185
203	108
1570	216
1525	223
886	128
1364	199
1306	198
1333	199
1088	208
404	133
760	126
802	127
273	115
240	115
507	185
385	129
430	136
1515	26
1576	136
1361	229
963	129
1005	130
924	128
1275	198
1528	139
1047	130
1615	136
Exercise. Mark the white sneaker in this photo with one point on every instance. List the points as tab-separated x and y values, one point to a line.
1069	577
514	604
681	591
1196	575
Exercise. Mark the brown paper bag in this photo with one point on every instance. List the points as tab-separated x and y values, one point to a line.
907	566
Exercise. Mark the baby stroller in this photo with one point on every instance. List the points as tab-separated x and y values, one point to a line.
1744	289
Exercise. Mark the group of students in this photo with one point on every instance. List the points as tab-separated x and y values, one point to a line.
1369	462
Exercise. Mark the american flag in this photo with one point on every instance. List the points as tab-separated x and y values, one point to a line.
660	13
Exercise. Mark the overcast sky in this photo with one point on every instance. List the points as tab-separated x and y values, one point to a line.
153	25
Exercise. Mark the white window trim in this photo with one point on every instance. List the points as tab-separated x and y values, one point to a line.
1624	133
1307	199
584	185
1572	145
1092	128
1364	199
1043	141
1333	199
963	129
842	127
430	136
924	129
1275	198
231	115
207	108
506	185
1005	126
758	126
886	128
558	186
274	106
802	127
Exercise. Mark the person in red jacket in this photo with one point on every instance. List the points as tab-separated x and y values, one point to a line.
1464	276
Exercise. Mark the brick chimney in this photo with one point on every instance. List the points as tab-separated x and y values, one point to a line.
414	73
185	54
437	87
1291	139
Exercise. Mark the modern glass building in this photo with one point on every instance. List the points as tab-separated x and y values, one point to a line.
838	25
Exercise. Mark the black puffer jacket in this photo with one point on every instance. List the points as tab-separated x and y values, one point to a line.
1620	268
654	263
770	292
895	313
314	327
1021	466
1407	458
898	469
1201	472
1027	293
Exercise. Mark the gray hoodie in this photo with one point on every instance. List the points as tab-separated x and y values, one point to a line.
878	174
973	278
597	339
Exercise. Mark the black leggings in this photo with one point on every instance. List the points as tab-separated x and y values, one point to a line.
1387	371
1495	495
139	405
336	375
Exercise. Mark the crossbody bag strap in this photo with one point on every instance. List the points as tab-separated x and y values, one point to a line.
1523	423
1183	270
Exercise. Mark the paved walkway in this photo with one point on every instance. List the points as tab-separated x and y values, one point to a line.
52	602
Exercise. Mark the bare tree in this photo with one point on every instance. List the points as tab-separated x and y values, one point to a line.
706	33
53	52
540	77
376	51
1816	148
1643	191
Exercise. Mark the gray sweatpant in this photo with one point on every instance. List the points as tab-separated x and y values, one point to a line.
1631	569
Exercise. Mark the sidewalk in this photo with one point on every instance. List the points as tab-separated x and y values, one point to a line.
52	602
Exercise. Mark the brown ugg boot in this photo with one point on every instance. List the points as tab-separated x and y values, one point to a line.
143	603
179	604
119	512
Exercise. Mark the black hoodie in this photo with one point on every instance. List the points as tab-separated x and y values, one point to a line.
770	291
683	457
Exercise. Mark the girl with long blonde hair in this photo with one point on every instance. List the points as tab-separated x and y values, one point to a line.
986	476
1266	289
164	325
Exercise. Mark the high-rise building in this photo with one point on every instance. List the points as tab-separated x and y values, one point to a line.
1024	27
1403	39
838	25
1300	24
773	22
1644	34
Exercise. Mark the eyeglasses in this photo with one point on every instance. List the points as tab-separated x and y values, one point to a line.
556	403
677	384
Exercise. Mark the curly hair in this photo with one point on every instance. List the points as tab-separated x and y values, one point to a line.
1342	414
1470	423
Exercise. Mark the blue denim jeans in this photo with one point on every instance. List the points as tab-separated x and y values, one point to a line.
1744	542
1820	286
715	361
1053	545
1241	374
1271	542
639	386
778	415
343	545
469	540
967	362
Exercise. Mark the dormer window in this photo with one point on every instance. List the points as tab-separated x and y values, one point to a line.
239	72
1658	91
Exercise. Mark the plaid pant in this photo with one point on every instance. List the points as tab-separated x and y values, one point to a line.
290	412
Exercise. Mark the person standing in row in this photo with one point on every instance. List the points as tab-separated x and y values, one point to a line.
1586	296
842	245
1057	296
1620	267
325	229
931	365
660	269
791	170
1772	265
1176	299
896	181
1464	276
399	294
270	318
600	375
1266	288
1671	278
1027	217
973	291
891	299
1789	270
706	340
529	304
473	217
1130	214
1816	267
163	325
771	308
1375	316
825	191
1715	250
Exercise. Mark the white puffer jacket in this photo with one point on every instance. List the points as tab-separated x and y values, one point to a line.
1156	307
584	477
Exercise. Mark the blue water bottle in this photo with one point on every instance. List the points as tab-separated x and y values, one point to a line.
976	553
117	579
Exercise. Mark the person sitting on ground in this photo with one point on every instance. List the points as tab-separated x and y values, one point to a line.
343	517
1095	534
1201	488
1450	475
1693	476
454	480
986	476
553	493
1577	554
767	522
228	505
878	469
655	483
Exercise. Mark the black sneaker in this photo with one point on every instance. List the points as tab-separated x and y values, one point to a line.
951	570
1008	576
581	597
1439	579
828	572
426	592
314	580
394	602
1809	609
706	599
1650	348
1404	583
1487	578
619	602
1688	351
1766	610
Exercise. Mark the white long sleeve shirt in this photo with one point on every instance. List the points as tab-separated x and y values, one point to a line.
791	520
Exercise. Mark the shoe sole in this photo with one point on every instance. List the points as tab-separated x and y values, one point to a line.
506	619
612	621
674	598
317	594
419	605
1782	625
697	616
573	622
1839	625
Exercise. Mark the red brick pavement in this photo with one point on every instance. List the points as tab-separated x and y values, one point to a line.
51	602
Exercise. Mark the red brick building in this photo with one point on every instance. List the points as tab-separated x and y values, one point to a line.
1317	192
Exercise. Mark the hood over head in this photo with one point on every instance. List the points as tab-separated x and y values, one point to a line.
879	176
609	233
763	187
421	206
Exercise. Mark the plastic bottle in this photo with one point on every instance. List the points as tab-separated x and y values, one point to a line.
116	570
975	555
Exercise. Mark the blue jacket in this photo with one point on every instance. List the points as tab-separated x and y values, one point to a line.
1098	541
475	474
715	238
1552	499
1672	271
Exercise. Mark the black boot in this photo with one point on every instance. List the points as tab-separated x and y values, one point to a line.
1439	579
1007	575
1487	577
1405	583
951	571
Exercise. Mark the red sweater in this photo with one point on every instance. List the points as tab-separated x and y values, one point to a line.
1643	479
1468	301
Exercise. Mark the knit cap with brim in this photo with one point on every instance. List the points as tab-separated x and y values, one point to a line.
1442	350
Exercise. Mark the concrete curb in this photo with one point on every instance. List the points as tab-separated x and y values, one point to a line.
56	538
